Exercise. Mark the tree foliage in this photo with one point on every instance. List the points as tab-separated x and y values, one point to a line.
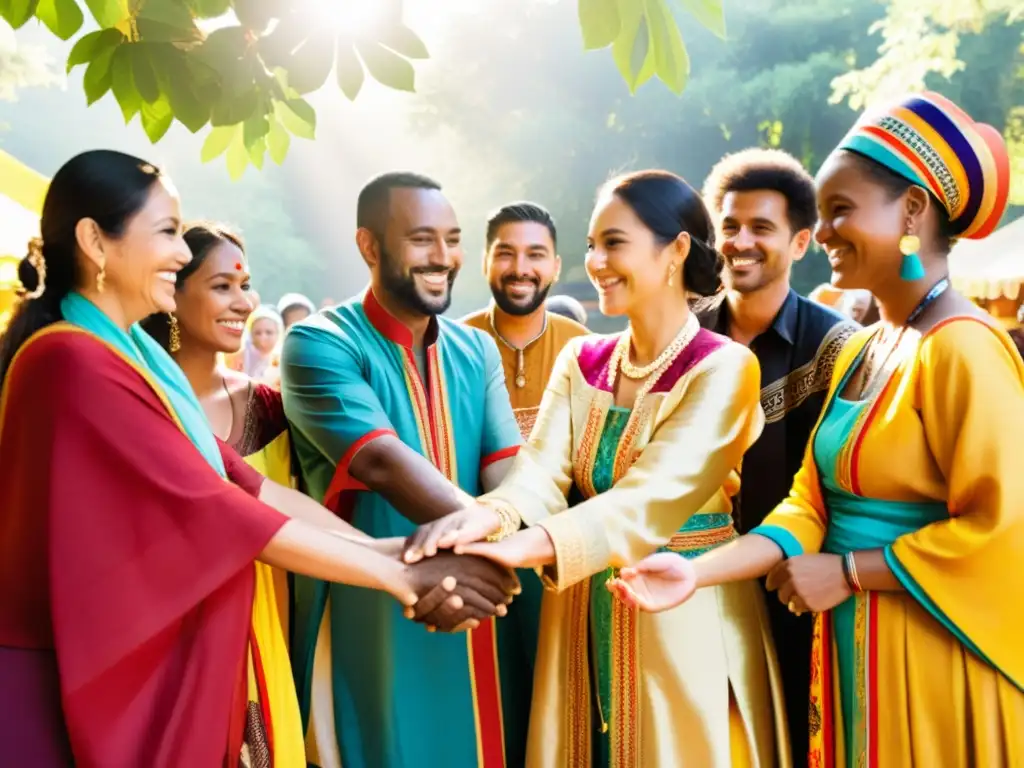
164	61
928	42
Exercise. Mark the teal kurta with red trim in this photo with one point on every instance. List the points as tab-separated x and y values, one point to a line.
401	696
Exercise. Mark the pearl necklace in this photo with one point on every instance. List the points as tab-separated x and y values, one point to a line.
620	357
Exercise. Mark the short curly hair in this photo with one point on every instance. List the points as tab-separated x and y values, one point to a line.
764	169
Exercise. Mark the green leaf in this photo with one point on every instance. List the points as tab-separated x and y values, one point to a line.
599	20
63	17
18	12
297	116
209	9
175	78
277	47
386	67
631	49
349	70
709	13
108	13
143	73
278	141
217	141
98	76
254	129
84	50
122	83
172	13
258	152
310	64
157	118
402	40
671	62
234	109
238	157
256	14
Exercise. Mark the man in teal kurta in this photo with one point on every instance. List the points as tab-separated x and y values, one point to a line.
395	408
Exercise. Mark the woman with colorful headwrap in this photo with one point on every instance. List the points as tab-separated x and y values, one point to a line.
904	529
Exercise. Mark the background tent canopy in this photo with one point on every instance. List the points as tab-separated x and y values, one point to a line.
990	268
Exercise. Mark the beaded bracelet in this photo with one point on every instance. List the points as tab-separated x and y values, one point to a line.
850	572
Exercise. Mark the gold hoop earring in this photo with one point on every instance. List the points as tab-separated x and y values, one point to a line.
175	344
671	273
101	278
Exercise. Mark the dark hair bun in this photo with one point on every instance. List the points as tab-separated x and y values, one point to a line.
702	269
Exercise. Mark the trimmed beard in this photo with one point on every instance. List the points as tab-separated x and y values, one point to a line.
402	287
509	307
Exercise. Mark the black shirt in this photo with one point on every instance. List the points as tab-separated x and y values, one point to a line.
797	354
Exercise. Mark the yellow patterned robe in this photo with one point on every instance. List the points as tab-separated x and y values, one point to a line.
675	469
937	669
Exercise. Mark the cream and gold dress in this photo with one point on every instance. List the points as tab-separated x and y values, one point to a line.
694	686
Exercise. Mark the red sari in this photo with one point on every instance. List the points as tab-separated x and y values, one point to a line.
126	570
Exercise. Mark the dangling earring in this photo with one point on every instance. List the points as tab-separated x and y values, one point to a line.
911	268
671	273
101	278
175	334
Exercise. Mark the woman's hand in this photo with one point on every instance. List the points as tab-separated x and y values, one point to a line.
656	583
814	583
453	531
530	548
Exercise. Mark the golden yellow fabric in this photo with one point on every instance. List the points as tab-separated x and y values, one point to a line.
538	361
946	428
270	626
688	445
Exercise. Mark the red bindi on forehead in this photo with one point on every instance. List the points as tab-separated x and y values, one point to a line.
238	266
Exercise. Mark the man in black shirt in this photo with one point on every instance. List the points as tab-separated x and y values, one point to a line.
764	207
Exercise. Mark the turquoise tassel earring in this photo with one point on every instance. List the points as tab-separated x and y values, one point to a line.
911	268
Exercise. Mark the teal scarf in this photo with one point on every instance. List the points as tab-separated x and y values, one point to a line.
139	347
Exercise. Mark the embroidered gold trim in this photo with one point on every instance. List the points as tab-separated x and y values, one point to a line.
526	418
684	542
577	684
789	392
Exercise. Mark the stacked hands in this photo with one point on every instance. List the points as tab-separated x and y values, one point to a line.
459	579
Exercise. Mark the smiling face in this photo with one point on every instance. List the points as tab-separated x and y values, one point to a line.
521	266
421	251
756	239
625	262
860	225
142	264
214	303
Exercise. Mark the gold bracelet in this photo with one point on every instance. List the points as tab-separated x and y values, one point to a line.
508	517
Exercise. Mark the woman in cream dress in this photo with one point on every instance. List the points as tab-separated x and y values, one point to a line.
635	450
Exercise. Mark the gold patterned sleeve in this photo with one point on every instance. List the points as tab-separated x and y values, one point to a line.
538	483
692	452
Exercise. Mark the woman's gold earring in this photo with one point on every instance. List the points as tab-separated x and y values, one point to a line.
671	274
101	278
175	334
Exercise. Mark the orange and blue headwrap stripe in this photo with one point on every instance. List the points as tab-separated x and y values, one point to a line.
931	142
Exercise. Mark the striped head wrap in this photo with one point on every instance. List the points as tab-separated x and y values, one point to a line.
931	142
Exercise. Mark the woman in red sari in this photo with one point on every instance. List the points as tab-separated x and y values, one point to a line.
129	532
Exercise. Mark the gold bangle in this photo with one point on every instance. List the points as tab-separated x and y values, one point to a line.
509	520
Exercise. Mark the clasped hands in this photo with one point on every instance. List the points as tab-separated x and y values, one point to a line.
458	577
